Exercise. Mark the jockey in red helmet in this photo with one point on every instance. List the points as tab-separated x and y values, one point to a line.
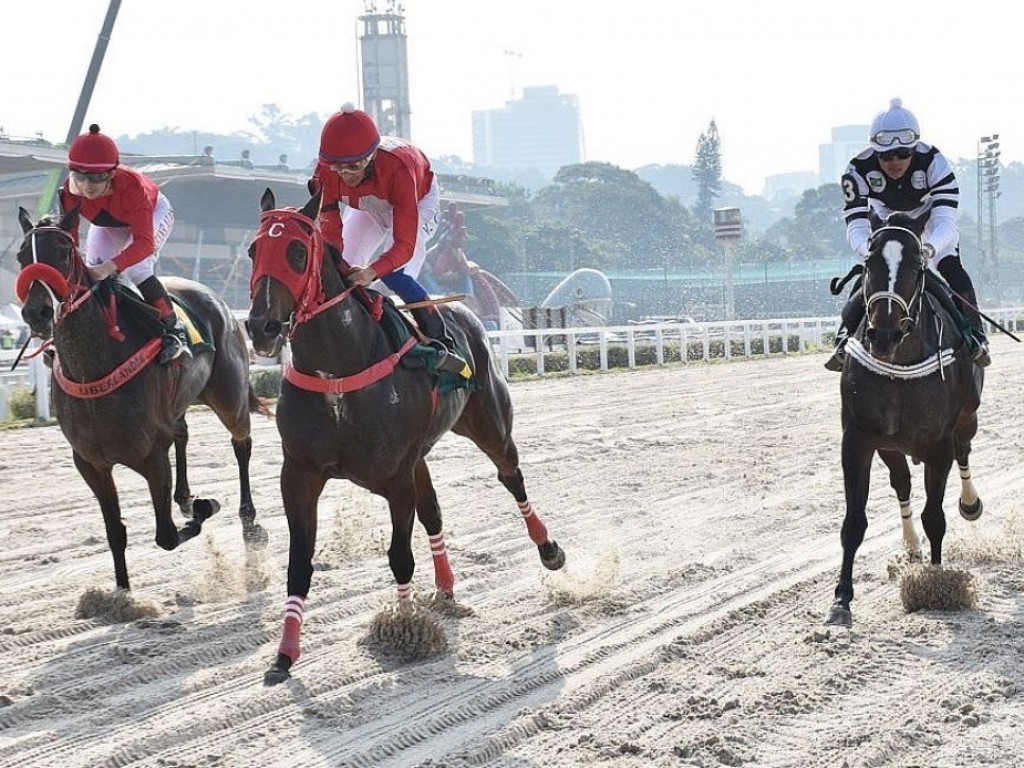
392	197
131	220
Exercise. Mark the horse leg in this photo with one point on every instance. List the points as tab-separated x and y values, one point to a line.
253	534
301	487
936	474
899	479
487	421
429	513
157	471
402	503
101	483
182	493
857	453
971	505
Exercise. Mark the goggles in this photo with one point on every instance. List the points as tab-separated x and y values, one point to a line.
906	137
91	178
352	167
902	153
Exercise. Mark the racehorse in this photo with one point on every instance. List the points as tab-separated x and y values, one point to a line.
349	409
909	388
113	403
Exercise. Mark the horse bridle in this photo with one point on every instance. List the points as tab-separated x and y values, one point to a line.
309	296
909	319
60	287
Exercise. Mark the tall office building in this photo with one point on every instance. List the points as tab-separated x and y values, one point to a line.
847	141
541	131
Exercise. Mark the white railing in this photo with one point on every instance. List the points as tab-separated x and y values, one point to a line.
684	342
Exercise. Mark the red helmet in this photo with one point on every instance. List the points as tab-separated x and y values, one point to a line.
93	152
348	136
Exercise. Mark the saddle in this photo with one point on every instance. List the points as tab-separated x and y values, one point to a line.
200	336
398	329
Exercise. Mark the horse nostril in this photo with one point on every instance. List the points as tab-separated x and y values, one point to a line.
34	315
272	328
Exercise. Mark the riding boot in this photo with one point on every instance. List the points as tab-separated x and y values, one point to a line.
433	326
954	273
853	314
174	340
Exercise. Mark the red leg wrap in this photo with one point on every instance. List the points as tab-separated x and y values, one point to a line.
444	579
538	533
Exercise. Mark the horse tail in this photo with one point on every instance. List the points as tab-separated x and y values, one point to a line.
258	404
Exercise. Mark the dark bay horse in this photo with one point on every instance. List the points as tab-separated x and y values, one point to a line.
114	403
349	410
909	388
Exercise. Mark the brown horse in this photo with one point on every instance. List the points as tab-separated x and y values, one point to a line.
349	410
114	405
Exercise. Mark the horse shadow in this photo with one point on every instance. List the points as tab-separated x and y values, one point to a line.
411	725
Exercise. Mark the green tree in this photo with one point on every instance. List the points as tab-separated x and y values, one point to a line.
707	171
623	220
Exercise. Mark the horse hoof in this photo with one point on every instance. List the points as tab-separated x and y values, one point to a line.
971	511
185	505
204	509
275	675
839	616
278	671
255	537
555	558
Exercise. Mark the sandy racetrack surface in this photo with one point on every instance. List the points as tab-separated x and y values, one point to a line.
699	509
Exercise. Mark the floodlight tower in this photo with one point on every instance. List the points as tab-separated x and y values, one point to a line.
385	68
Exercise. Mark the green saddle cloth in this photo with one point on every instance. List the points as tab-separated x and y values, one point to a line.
398	331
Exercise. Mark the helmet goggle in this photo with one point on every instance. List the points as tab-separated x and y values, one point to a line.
355	167
906	137
82	177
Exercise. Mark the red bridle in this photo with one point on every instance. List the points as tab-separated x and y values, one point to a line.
278	229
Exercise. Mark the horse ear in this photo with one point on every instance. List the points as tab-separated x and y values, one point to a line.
267	202
875	220
70	219
25	220
311	210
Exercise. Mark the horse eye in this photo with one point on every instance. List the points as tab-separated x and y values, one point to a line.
297	256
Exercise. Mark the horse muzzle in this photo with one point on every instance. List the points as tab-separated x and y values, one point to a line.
39	318
267	335
882	342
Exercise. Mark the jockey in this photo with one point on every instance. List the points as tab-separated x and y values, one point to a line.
393	198
899	172
130	221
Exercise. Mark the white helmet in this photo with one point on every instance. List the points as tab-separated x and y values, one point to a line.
893	128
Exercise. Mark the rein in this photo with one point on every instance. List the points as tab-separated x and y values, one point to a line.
277	229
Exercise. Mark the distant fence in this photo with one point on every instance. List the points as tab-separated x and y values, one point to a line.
543	351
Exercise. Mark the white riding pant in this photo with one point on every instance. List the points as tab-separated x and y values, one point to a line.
104	243
365	230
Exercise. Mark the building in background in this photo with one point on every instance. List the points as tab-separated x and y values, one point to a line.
541	131
847	141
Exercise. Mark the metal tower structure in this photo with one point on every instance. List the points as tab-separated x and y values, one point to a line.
385	69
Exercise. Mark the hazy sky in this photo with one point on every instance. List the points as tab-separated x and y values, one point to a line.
775	76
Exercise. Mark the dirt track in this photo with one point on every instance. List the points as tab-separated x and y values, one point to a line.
700	510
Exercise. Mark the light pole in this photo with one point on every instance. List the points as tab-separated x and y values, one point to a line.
988	191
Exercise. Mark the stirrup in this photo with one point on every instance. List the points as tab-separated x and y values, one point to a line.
173	347
838	358
449	360
981	356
